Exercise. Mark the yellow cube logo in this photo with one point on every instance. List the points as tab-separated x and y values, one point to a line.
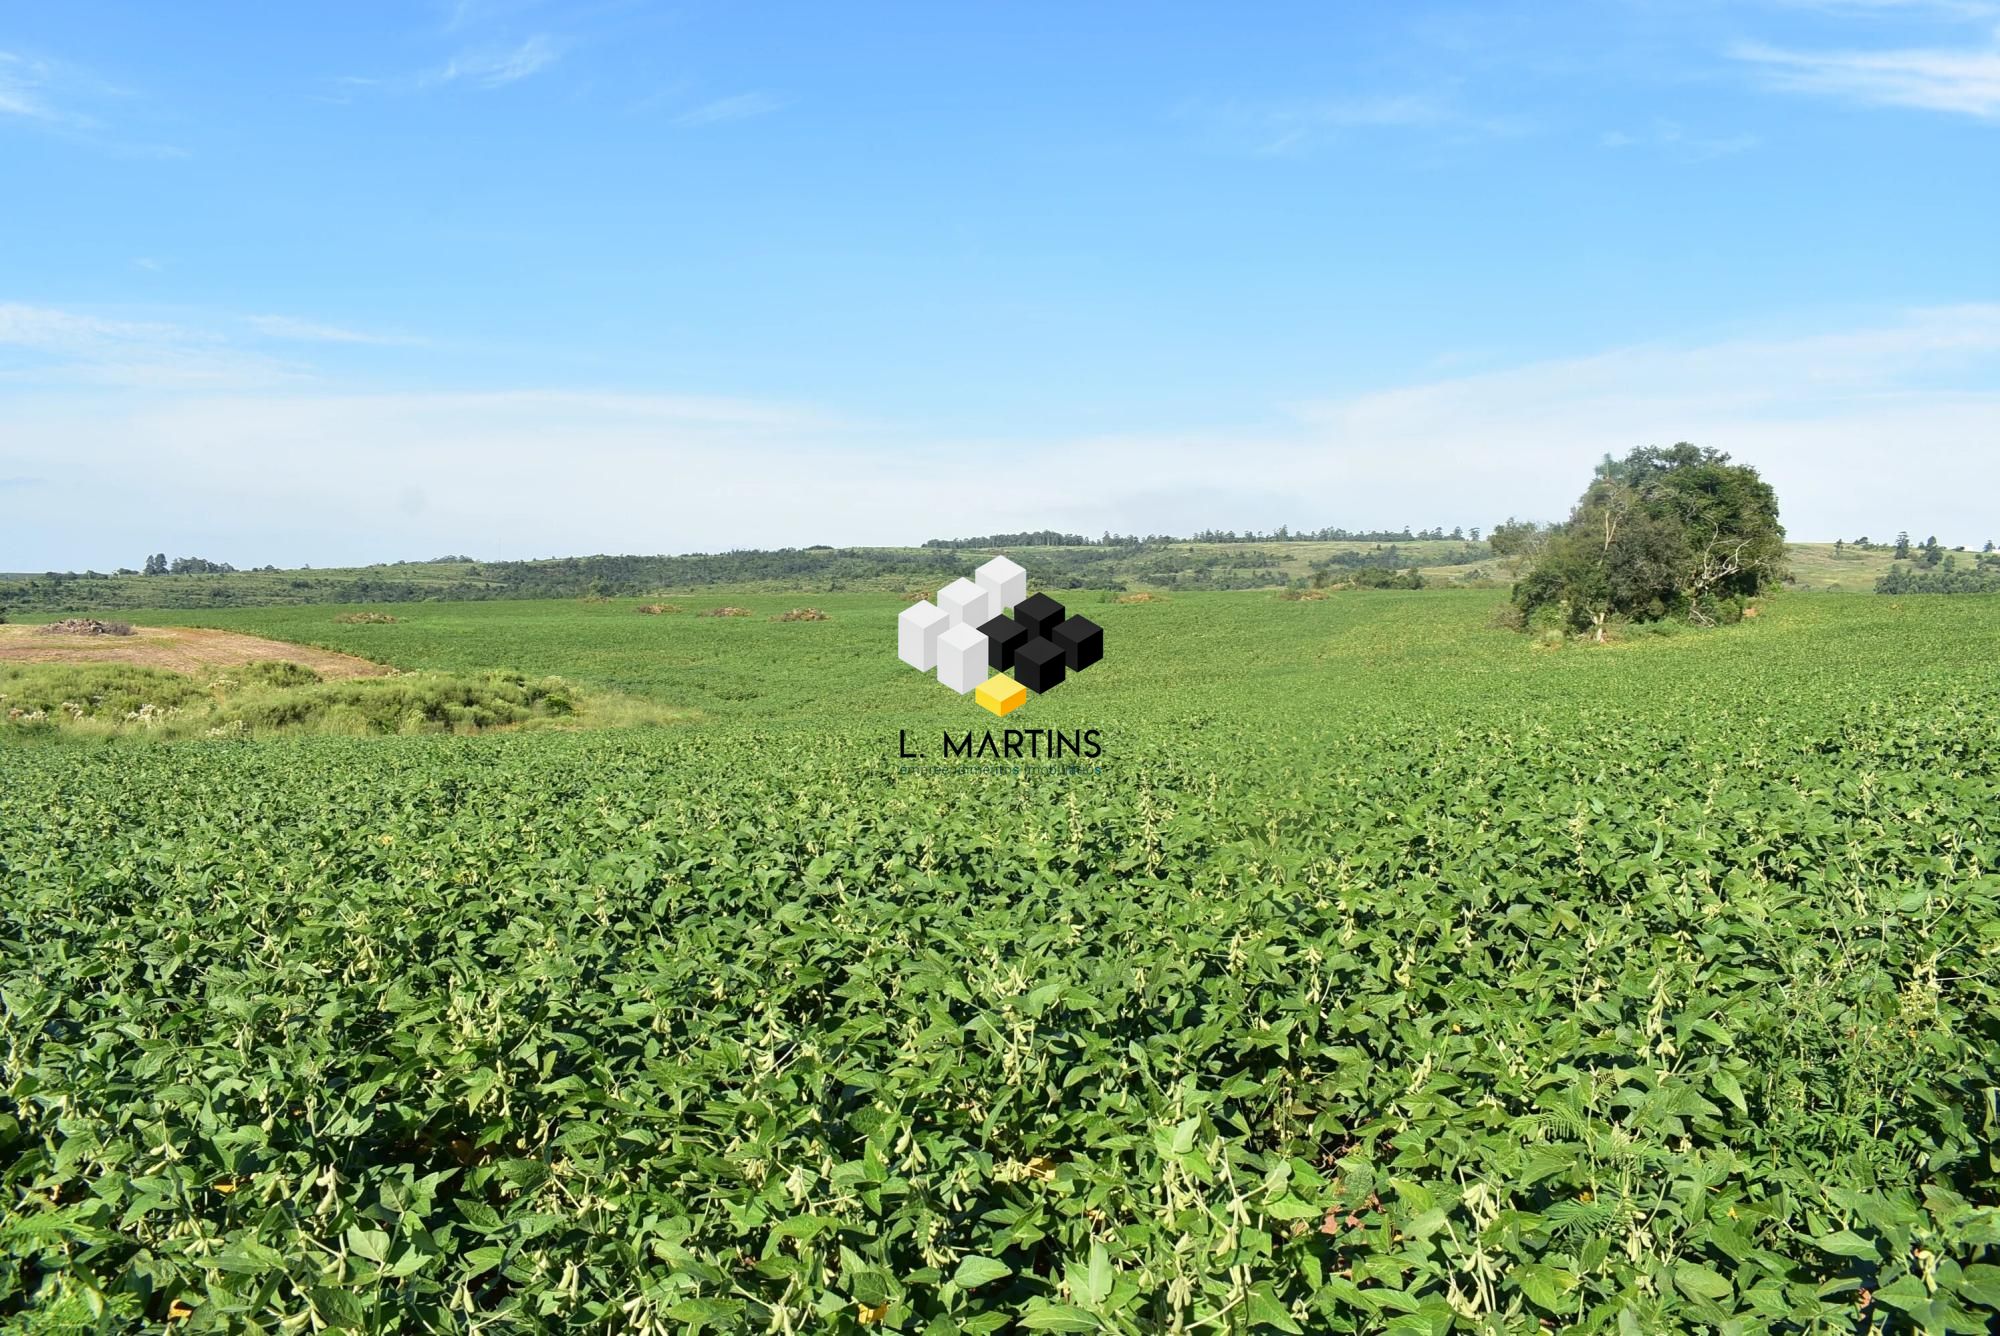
1000	694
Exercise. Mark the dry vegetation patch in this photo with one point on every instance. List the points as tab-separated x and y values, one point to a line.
727	611
656	609
364	618
86	626
801	615
180	649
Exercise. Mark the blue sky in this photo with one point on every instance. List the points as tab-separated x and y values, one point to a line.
333	283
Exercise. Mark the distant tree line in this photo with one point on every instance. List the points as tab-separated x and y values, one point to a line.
1395	559
1088	566
1927	553
157	564
1945	575
1213	559
1032	538
1281	534
1375	577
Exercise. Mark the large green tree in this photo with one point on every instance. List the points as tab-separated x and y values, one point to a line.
1665	532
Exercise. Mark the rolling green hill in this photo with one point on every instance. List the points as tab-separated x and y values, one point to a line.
1159	565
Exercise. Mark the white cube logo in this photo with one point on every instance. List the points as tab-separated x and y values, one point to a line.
961	657
917	632
1004	581
967	604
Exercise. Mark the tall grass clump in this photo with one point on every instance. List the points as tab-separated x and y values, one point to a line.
108	700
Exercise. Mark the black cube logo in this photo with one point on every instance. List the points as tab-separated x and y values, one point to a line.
981	629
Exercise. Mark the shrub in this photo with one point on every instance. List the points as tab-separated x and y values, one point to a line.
1382	577
1545	619
276	673
1678	532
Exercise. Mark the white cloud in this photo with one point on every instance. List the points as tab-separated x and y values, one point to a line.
736	107
1886	425
293	329
1965	81
1857	430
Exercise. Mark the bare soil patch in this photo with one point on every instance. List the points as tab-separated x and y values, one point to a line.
86	626
180	649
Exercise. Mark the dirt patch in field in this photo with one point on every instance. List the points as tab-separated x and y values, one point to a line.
180	649
86	626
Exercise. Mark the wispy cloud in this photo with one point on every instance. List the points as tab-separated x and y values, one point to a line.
69	102
486	66
53	346
1813	412
26	87
495	67
52	93
1673	139
462	14
1964	81
736	107
295	329
1954	9
1290	127
48	329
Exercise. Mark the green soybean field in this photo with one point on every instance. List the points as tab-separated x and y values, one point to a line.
1387	972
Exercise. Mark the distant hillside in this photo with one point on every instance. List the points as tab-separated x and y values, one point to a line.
1131	564
1268	561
